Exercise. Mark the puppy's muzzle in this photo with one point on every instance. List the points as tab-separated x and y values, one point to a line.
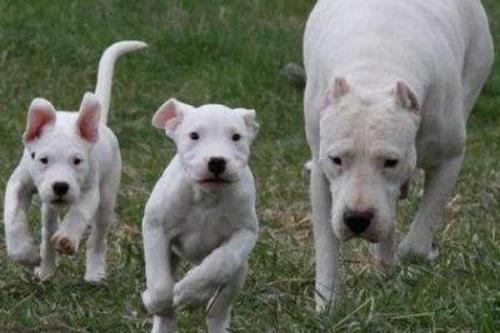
358	221
217	165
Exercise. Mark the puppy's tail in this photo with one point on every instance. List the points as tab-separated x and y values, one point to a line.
105	73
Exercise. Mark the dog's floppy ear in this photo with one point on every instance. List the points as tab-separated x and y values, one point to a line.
41	115
248	116
87	124
169	116
405	97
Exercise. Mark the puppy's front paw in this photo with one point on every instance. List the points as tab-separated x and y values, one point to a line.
157	300
44	272
187	294
410	249
28	255
64	243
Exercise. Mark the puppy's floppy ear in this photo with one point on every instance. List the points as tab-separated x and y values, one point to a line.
87	124
41	115
405	97
169	116
249	118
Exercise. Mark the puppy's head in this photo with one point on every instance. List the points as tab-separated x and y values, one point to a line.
59	148
213	141
368	153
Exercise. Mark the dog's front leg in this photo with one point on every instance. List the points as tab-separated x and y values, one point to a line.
18	195
47	267
325	242
439	183
157	298
216	270
68	236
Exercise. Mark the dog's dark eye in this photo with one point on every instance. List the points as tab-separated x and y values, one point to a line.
236	137
33	155
44	160
194	136
336	160
390	163
77	161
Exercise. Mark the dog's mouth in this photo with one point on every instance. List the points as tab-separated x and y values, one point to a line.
215	181
59	201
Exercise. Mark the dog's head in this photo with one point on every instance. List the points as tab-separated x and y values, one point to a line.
213	141
59	148
368	153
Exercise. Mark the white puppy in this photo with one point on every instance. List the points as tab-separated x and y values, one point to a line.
73	161
203	210
390	85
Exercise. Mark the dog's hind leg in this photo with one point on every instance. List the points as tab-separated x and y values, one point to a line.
97	242
219	307
48	253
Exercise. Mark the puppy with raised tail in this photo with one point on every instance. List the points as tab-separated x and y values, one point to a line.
203	210
72	160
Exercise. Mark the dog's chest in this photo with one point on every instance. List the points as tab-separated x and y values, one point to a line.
202	230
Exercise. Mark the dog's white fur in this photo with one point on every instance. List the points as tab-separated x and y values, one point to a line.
76	149
196	216
387	80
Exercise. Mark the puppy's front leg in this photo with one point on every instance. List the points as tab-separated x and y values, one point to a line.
216	270
439	183
159	272
67	238
20	245
325	242
47	267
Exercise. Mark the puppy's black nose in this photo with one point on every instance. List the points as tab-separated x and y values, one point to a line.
60	188
216	165
358	221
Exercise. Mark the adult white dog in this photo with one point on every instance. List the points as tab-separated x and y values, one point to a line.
203	210
390	85
73	161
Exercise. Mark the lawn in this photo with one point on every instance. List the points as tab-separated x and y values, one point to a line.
231	52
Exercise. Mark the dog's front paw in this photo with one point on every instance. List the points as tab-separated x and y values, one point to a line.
44	272
411	249
28	255
64	243
187	294
157	300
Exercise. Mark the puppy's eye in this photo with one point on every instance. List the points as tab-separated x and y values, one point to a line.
77	161
33	155
44	160
390	163
336	160
194	136
236	137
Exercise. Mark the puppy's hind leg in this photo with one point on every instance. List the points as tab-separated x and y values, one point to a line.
97	244
219	307
47	266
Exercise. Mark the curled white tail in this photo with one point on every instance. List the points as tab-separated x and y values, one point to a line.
105	73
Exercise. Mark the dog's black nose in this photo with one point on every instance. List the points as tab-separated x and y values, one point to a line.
216	165
358	221
60	188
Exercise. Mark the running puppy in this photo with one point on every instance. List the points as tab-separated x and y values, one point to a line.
203	210
390	85
72	160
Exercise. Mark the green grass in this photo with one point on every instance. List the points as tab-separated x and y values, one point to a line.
231	52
